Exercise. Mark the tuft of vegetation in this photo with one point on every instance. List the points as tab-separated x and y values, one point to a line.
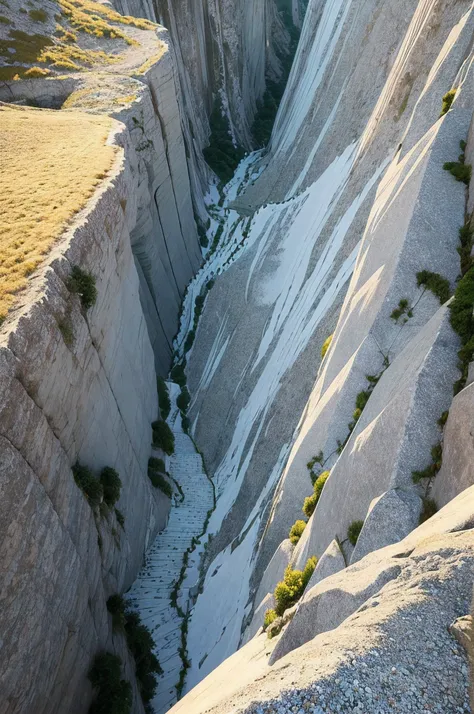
459	169
270	616
296	531
221	154
113	694
430	472
434	282
353	532
448	99
443	418
291	588
120	518
429	509
38	15
178	375
326	346
403	309
156	465
111	485
316	460
159	481
311	502
466	244
164	398
183	400
83	284
462	321
116	607
163	437
90	486
141	644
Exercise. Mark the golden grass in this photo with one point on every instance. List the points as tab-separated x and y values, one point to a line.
51	164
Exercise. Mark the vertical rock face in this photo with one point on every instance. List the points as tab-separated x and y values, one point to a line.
223	50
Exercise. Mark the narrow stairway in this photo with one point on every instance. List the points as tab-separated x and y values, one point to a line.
151	593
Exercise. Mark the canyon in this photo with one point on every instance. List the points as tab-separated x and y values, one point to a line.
260	318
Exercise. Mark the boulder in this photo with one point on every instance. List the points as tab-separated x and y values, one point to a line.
391	517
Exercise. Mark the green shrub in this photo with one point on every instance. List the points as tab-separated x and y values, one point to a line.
462	307
466	240
461	171
311	502
362	399
185	423
178	374
183	400
430	508
448	99
270	616
189	341
163	437
83	284
431	470
90	486
221	154
291	588
163	398
402	309
159	481
111	485
120	518
296	531
38	15
155	464
141	645
116	607
434	282
326	346
443	418
354	530
114	694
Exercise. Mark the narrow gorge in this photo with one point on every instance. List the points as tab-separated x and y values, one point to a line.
237	356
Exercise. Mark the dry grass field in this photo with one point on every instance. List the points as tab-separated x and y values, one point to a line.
51	162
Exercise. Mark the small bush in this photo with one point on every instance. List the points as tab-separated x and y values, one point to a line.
435	282
38	15
291	588
90	486
141	645
114	694
270	616
116	607
443	419
155	464
183	400
354	530
311	502
159	481
448	99
37	72
163	437
83	284
163	398
326	346
111	485
461	171
178	374
466	240
429	509
431	470
120	518
402	309
296	531
362	399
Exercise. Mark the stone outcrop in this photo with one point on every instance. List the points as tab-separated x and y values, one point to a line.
379	608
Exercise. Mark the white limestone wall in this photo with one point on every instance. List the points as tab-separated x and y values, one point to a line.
91	400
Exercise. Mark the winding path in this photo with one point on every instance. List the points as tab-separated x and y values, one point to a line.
150	594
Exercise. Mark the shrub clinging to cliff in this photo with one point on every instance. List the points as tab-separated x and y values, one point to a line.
291	588
326	346
114	694
163	398
83	284
111	485
163	437
296	531
354	530
434	282
311	502
448	99
90	486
